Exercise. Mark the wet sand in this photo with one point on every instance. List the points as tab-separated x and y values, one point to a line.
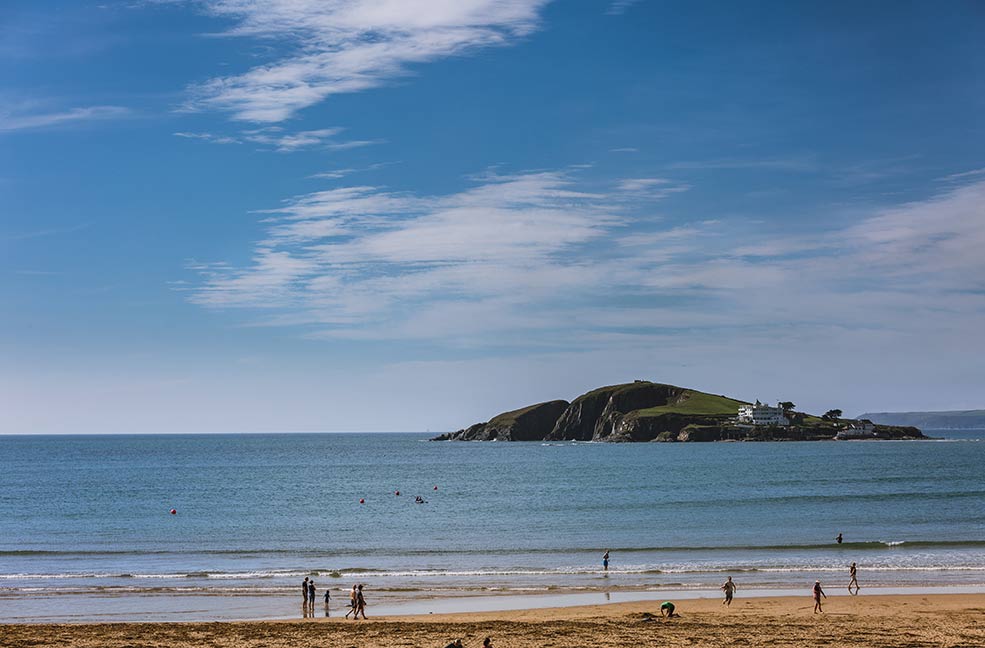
911	621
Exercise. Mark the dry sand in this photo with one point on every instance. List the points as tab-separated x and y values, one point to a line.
938	620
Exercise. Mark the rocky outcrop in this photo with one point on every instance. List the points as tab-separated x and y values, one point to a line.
528	424
596	416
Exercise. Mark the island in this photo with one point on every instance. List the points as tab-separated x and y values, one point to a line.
643	411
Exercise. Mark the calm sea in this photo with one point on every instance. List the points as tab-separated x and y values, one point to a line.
86	530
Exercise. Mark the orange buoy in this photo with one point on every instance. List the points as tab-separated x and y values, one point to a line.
174	512
362	501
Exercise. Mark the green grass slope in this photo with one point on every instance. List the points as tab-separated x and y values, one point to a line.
696	403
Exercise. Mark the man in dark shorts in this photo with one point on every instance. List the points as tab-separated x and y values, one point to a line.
729	588
304	590
667	609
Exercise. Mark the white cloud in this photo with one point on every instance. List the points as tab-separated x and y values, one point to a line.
283	141
337	46
533	260
24	120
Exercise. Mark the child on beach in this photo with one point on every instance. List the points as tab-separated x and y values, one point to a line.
668	608
818	593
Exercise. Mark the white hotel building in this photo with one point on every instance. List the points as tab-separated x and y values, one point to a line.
760	414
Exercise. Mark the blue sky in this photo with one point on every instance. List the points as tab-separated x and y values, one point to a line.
221	215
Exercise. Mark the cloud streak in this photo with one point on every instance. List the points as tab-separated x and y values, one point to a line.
535	260
16	121
335	46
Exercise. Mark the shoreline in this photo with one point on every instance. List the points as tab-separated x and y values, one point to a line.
865	620
195	608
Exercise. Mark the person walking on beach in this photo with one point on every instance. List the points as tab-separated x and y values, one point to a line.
352	602
605	560
311	593
818	593
729	588
853	579
360	603
304	590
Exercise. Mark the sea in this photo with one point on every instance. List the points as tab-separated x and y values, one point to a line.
87	531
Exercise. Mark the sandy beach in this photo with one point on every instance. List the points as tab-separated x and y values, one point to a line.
877	620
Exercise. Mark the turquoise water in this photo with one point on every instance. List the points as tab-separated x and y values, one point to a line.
84	518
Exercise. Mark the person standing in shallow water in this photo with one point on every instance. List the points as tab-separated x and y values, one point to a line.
605	560
304	590
818	593
311	594
838	539
853	579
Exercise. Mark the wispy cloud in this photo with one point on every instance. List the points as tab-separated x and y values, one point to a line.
964	175
781	164
283	141
25	120
341	46
619	7
624	149
536	260
43	232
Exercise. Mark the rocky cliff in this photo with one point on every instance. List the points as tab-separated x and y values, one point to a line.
528	424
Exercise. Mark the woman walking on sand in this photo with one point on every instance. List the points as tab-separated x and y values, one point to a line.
818	593
360	603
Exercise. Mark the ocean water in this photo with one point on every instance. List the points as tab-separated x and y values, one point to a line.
86	533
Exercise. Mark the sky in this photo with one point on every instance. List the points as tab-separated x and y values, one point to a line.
396	215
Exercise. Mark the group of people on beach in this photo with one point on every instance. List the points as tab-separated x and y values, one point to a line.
729	587
357	602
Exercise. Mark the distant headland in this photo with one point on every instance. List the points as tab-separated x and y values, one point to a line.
647	411
954	419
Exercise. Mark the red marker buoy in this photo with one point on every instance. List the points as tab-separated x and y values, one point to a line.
362	501
397	493
435	488
174	512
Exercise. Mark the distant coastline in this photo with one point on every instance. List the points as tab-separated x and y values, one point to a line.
942	420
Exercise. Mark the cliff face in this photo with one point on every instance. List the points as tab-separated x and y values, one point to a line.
596	416
528	424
